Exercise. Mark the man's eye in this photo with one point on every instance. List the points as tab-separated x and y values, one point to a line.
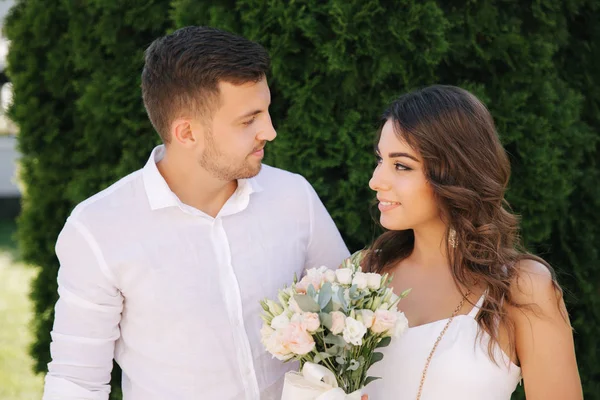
250	121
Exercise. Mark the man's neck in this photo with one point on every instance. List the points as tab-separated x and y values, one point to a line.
194	186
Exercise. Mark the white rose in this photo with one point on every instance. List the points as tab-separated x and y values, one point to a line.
265	333
344	275
401	324
373	281
360	280
322	269
330	276
354	331
280	322
367	317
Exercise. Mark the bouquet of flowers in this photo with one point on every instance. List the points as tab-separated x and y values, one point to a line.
332	322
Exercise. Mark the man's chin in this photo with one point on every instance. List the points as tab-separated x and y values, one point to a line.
250	172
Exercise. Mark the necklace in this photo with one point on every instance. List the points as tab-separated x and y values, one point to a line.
435	345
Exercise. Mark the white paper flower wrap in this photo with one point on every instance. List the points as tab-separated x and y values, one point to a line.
314	383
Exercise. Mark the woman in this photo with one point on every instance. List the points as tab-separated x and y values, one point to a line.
483	314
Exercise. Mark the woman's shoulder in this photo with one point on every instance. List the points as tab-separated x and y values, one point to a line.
535	287
533	281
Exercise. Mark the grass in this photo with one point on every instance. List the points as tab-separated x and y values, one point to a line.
17	381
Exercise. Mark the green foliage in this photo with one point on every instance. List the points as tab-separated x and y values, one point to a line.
41	69
575	236
76	71
336	65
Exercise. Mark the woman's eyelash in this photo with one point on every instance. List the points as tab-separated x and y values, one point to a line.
399	167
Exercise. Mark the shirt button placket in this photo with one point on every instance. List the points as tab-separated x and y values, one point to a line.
232	297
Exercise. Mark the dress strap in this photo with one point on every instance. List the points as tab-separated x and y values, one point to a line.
475	310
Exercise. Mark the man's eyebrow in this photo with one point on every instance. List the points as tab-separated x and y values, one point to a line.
249	114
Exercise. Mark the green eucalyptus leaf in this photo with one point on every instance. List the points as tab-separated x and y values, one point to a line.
307	303
325	295
329	307
310	291
353	290
321	356
326	320
342	300
376	357
371	379
334	339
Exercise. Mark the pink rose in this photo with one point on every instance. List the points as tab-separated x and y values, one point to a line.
338	322
385	320
313	277
308	320
311	321
297	339
273	342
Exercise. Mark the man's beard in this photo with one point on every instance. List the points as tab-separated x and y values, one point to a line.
213	161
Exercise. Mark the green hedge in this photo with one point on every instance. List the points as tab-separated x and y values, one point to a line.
336	64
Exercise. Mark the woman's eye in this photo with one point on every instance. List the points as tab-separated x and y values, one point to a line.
400	167
397	166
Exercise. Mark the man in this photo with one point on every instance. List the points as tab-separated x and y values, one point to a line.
164	270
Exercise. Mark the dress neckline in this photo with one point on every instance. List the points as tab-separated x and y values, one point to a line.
469	316
472	314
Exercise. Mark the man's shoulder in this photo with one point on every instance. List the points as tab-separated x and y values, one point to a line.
113	201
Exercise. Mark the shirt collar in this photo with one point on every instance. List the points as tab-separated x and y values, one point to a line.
160	195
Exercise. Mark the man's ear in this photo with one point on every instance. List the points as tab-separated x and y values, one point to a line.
183	133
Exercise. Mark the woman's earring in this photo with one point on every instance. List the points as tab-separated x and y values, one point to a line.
452	238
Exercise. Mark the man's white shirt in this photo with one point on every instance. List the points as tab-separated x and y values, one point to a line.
173	294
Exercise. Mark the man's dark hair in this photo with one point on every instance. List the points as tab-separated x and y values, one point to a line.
182	72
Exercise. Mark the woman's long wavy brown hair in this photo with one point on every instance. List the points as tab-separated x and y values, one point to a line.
468	169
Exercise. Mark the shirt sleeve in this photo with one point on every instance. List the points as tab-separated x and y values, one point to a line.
86	323
325	246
